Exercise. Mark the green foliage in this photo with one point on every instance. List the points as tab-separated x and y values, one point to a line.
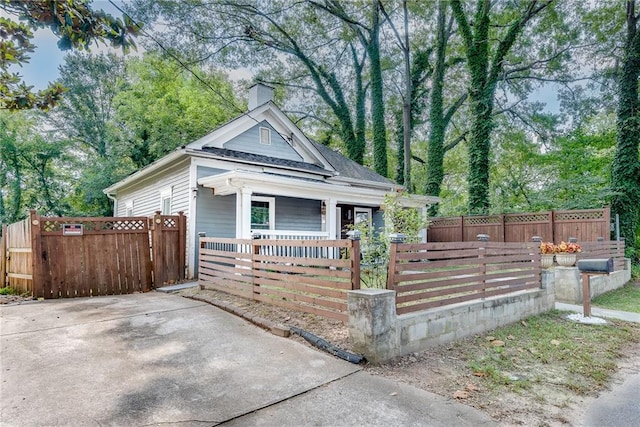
77	26
163	107
375	243
8	290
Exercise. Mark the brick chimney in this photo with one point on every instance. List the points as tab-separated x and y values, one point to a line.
259	94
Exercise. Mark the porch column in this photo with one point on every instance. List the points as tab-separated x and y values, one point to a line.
331	218
243	213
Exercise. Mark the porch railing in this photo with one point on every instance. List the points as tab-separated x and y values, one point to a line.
292	234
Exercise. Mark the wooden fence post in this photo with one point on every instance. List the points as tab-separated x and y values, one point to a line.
3	257
182	229
158	250
354	238
396	239
37	274
254	250
482	251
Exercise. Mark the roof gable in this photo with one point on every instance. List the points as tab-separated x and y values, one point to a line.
264	140
277	121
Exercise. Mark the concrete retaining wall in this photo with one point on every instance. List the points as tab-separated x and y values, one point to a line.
568	286
380	334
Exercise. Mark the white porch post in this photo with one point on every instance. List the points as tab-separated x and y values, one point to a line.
243	213
423	232
331	214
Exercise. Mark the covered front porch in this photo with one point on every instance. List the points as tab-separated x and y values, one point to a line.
279	207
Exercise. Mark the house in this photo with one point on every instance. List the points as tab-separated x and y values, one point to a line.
260	174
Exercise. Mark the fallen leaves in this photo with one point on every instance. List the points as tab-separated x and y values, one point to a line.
461	394
497	343
466	393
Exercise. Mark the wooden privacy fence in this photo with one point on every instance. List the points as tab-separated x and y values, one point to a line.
61	257
553	226
312	276
427	275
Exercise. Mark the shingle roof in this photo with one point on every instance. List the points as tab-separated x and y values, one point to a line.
347	167
257	158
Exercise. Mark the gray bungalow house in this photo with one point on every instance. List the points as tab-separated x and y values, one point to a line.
258	174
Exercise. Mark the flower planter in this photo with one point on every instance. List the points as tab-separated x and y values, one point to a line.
566	259
546	260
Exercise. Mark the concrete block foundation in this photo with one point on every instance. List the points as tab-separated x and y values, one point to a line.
380	334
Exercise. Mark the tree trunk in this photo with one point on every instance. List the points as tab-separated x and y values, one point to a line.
479	149
377	99
625	179
435	168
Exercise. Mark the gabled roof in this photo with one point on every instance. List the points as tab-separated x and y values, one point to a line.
277	119
348	168
265	160
318	160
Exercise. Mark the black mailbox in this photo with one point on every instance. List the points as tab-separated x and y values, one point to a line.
596	266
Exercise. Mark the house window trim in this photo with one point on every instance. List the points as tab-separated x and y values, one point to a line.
268	135
128	208
369	211
166	193
272	210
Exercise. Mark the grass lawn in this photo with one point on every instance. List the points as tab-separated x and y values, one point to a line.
579	357
626	298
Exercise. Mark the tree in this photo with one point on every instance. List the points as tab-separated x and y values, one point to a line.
625	177
163	106
486	66
439	116
87	113
30	170
73	21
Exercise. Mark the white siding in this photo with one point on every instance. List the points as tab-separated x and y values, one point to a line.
146	194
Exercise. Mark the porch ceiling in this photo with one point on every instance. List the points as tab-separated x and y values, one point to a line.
230	182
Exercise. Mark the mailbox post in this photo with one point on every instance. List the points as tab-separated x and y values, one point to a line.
588	268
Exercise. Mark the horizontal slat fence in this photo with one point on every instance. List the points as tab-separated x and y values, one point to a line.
312	276
604	249
553	226
428	275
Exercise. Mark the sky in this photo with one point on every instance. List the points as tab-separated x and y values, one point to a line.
42	68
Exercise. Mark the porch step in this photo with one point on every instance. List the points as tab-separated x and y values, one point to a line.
178	287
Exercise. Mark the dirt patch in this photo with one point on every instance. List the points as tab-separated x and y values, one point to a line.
535	392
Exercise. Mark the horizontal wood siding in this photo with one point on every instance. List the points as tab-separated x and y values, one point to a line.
249	142
290	273
428	275
146	194
298	214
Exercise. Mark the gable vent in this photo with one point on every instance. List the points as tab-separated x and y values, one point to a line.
265	136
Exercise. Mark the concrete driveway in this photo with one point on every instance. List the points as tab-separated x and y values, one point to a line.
150	359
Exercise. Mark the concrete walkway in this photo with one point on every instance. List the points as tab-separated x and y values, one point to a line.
601	312
152	359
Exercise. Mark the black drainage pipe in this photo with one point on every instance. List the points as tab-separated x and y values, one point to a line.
329	348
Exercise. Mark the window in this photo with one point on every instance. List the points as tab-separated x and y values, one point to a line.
265	136
262	213
165	201
129	208
362	215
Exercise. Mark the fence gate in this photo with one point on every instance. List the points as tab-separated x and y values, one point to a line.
63	257
15	251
